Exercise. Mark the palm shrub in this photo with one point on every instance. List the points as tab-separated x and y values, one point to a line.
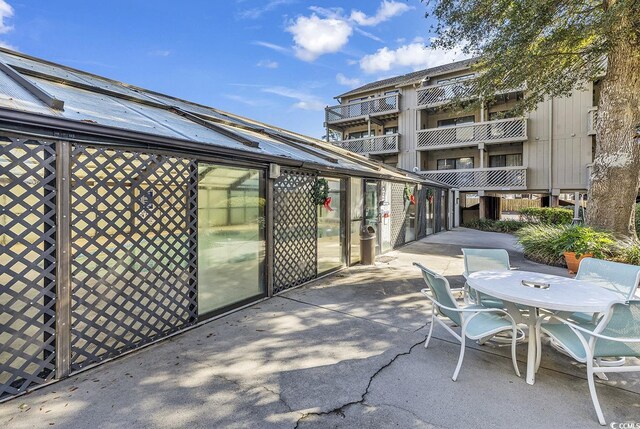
627	251
536	241
583	240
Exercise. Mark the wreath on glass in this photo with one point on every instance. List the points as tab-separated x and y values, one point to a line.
430	195
320	194
408	195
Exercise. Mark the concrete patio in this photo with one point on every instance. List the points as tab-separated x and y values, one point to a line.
342	352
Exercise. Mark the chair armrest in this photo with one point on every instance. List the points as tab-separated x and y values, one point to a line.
589	332
465	310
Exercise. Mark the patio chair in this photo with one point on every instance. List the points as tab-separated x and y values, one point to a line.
616	334
620	278
483	260
476	321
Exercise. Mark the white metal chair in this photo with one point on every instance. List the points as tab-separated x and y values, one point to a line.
476	321
483	260
617	334
617	277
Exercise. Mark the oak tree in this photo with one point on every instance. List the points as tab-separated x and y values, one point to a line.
551	47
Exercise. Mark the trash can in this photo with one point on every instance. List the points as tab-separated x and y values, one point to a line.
368	245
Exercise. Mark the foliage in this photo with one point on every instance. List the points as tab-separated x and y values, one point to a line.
550	46
546	215
508	226
582	240
536	240
320	191
627	251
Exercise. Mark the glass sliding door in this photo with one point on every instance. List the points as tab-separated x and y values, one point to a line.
410	222
431	192
372	209
331	228
231	244
357	211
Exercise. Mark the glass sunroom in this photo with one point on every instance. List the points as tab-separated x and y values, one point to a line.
129	216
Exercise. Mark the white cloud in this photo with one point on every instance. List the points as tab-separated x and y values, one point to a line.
160	53
369	35
6	11
257	12
304	101
315	36
386	11
343	80
414	55
8	46
271	46
268	64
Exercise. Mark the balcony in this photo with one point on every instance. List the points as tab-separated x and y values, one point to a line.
592	116
486	179
359	111
437	95
500	131
371	145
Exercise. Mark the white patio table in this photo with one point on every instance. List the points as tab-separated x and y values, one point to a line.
562	294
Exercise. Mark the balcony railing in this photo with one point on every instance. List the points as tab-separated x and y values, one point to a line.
592	116
487	179
436	95
372	145
359	109
500	131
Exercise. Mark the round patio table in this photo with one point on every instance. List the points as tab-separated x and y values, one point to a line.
559	294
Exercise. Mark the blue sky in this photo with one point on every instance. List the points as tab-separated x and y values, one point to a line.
277	61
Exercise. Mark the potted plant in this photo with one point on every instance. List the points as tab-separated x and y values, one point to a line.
577	242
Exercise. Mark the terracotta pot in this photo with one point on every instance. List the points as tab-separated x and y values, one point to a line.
572	262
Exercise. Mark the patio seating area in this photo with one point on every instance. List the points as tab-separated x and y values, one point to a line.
345	351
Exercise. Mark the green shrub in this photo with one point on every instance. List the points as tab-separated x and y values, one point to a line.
583	239
547	215
627	251
537	243
507	226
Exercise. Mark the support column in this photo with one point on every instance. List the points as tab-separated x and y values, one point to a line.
63	260
482	214
269	232
481	149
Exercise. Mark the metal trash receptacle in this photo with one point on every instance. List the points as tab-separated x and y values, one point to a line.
368	245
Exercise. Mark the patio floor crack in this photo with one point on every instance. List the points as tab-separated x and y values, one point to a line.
340	409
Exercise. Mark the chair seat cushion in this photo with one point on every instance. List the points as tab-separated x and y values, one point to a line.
485	324
567	338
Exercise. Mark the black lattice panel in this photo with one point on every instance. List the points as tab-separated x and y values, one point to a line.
399	205
294	230
27	273
133	235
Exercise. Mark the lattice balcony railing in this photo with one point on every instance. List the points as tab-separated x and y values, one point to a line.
592	117
498	178
373	106
380	144
441	94
500	131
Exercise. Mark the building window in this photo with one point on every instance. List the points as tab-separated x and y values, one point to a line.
455	163
361	134
511	160
456	78
390	130
456	121
503	114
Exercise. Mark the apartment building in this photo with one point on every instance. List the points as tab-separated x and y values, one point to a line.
409	122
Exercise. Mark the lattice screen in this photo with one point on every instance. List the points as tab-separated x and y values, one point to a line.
398	214
294	230
133	233
27	273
